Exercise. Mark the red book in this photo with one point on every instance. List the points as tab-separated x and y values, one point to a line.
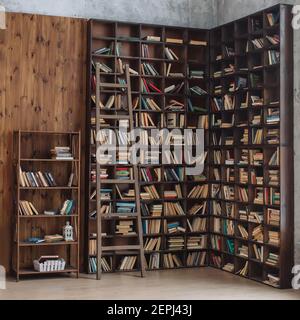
154	87
146	86
149	175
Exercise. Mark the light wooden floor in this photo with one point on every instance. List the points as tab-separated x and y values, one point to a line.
179	284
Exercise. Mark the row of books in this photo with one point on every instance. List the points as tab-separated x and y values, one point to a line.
36	179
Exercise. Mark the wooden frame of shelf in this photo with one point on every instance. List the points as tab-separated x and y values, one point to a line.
37	150
101	33
277	85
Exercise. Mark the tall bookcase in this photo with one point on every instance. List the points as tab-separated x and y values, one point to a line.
254	192
32	155
131	40
234	218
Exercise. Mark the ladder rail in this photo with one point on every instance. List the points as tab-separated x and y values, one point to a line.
98	181
136	178
140	246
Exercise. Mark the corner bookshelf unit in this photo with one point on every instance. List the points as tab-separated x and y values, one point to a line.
244	223
252	66
39	201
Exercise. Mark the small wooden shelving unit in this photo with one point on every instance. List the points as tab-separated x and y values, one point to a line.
32	153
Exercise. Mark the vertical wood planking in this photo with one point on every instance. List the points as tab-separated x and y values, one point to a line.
42	87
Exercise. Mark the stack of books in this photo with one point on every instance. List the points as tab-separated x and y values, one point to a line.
197	74
105	194
272	136
274	177
243	251
244	176
175	243
53	238
61	153
196	243
125	228
273	217
175	227
273	116
125	208
256	217
273	259
258	234
256	157
274	238
259	196
229	267
272	280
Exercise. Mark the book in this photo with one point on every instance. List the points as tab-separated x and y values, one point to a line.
61	153
174	40
273	18
27	208
152	38
170	54
198	43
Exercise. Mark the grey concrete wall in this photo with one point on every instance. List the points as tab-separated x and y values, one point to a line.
166	12
229	10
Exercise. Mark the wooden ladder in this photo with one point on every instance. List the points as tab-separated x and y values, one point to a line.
136	216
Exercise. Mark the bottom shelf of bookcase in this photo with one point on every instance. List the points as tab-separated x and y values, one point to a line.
31	271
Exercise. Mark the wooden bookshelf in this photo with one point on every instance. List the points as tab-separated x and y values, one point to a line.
240	139
137	50
272	82
32	154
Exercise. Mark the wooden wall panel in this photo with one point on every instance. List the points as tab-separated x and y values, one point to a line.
42	87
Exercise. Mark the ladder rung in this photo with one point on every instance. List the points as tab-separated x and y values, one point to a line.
121	248
113	85
108	181
114	116
119	216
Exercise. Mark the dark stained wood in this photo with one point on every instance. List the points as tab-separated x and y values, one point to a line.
287	147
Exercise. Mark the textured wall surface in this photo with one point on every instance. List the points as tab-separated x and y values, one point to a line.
167	12
225	13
